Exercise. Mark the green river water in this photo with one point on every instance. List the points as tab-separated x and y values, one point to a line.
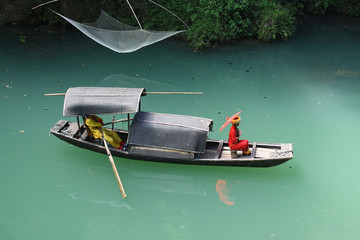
304	91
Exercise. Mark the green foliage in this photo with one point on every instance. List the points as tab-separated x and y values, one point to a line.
214	21
218	21
350	8
22	38
156	18
210	21
52	19
339	7
275	21
320	7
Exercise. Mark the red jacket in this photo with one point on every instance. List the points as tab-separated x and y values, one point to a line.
233	135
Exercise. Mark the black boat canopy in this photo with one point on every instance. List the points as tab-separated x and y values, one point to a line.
101	100
169	131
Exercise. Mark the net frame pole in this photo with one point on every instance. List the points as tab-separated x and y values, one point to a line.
132	10
157	4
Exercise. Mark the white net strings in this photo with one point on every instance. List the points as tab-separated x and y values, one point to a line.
118	36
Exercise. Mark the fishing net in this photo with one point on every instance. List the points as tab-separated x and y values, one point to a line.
118	36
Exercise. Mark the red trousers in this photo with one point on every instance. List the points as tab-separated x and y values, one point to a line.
242	145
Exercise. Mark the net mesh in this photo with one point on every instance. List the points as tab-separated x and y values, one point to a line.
118	36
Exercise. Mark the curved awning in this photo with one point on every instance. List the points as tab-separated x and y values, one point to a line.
169	131
101	100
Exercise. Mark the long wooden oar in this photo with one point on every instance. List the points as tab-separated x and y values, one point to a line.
63	94
113	165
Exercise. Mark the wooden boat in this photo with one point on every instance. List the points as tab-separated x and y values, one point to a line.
157	137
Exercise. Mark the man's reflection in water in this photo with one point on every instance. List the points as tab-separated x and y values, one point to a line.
223	192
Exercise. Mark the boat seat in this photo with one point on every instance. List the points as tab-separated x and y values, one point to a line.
84	135
235	153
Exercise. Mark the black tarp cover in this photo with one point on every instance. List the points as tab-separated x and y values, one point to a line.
101	100
169	131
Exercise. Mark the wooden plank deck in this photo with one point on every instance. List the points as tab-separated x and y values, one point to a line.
261	151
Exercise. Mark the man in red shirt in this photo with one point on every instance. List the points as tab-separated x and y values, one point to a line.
234	142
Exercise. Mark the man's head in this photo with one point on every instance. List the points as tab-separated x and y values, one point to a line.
236	121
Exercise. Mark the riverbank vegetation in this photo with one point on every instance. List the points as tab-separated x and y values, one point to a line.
209	22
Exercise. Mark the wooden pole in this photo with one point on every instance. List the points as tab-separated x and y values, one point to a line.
155	93
117	121
174	93
113	166
54	94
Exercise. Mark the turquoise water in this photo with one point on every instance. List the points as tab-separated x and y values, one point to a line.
304	91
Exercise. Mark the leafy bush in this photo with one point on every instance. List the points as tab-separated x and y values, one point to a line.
350	8
340	7
275	21
320	6
214	21
218	21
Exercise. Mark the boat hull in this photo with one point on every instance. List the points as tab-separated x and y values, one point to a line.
216	153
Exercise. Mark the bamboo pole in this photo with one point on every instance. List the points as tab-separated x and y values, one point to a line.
155	93
117	121
54	94
174	93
